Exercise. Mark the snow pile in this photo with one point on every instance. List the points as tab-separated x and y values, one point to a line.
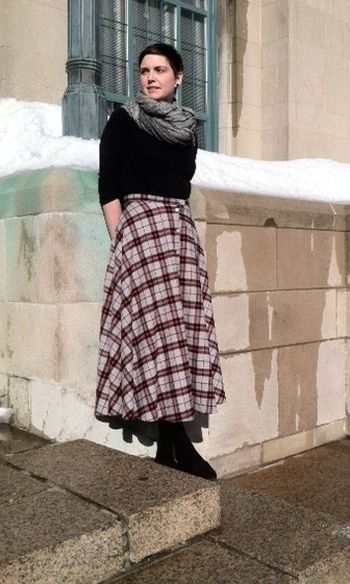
315	179
31	138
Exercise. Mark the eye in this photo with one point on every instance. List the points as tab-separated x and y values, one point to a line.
143	71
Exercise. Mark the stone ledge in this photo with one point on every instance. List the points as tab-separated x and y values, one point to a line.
159	506
67	189
49	191
221	207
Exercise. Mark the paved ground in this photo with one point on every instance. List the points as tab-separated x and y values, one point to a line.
287	523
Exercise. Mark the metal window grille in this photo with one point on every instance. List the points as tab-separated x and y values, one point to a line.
128	26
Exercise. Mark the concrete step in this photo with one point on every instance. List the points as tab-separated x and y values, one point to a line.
80	512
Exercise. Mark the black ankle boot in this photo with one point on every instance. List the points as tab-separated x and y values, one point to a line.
169	462
200	468
187	457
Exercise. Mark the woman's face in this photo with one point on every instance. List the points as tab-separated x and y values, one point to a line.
157	79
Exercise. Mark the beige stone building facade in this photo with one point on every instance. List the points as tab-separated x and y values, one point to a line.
279	270
283	71
33	49
284	83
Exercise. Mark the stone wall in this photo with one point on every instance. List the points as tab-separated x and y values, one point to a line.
278	273
33	49
55	249
284	84
319	80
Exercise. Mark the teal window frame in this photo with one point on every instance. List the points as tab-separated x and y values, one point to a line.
209	12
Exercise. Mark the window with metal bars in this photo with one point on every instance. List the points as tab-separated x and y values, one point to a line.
128	26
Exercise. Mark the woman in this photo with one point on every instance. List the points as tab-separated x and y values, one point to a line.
158	358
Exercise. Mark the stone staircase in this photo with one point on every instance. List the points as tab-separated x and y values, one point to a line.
82	513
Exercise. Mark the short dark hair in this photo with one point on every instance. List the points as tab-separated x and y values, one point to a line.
167	51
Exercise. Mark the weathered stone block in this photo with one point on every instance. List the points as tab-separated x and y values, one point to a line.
242	460
300	316
347	396
49	191
77	342
32	340
197	204
80	257
331	382
232	333
17	30
66	412
264	319
343	328
241	258
56	257
250	414
57	412
3	268
30	261
201	228
4	402
67	190
19	401
284	446
242	209
318	258
191	515
311	385
4	349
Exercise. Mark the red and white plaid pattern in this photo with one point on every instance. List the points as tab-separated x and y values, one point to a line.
158	351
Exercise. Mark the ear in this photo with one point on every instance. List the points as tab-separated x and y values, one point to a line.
178	79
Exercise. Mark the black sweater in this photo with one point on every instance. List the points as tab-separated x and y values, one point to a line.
133	161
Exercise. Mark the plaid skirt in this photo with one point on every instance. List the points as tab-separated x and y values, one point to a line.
158	356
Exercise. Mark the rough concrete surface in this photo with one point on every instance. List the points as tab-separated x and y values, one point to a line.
319	480
16	484
13	440
206	562
161	507
288	537
82	513
54	536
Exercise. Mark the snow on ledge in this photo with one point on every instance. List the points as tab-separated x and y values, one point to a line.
31	138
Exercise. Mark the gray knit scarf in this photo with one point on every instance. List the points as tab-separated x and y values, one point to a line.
165	120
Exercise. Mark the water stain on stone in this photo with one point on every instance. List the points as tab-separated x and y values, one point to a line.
66	267
26	250
270	319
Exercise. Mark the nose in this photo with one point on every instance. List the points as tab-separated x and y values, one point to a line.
150	76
